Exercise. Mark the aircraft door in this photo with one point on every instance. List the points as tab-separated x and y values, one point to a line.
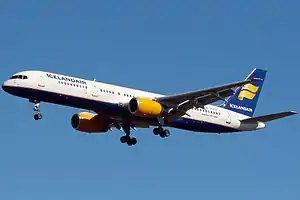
228	120
41	82
95	91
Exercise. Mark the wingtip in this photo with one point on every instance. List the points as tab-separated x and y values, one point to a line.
293	112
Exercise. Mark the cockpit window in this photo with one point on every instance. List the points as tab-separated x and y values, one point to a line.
19	77
14	77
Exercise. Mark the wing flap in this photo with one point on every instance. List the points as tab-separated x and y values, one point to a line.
267	118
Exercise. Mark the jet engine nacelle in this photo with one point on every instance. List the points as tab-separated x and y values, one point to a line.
89	123
145	107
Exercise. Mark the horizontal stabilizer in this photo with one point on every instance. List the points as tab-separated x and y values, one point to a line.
267	118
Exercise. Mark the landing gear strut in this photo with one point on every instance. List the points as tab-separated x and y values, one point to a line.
161	132
36	108
126	138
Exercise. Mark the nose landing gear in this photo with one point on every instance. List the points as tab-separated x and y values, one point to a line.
36	108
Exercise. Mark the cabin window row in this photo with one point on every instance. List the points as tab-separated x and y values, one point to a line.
117	93
72	84
207	111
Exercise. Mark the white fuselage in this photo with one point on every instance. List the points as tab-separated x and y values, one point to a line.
106	98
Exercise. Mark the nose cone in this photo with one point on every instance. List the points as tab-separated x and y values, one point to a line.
4	86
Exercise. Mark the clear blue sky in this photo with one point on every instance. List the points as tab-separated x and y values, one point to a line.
163	46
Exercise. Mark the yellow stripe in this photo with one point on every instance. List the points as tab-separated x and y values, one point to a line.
250	87
245	94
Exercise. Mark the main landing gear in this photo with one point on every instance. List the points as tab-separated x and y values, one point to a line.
129	140
161	132
126	138
36	108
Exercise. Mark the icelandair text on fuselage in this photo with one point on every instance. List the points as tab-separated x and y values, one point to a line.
62	78
240	107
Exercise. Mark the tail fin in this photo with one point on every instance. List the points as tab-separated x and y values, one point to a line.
245	98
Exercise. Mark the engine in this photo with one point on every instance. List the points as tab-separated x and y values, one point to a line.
145	107
89	123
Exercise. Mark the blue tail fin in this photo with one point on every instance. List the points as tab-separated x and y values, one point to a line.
245	98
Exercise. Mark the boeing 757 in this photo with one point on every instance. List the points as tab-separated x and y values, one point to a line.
109	106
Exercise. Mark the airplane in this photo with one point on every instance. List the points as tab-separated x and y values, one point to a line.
109	106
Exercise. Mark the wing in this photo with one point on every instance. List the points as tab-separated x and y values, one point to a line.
180	103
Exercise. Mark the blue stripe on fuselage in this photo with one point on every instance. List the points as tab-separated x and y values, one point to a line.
108	108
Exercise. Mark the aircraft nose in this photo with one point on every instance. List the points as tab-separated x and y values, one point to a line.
4	86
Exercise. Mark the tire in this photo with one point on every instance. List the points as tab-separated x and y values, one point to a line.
129	143
40	116
124	139
36	117
166	133
133	141
156	131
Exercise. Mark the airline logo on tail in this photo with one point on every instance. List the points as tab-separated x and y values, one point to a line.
248	91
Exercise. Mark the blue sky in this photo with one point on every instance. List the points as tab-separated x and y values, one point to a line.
163	46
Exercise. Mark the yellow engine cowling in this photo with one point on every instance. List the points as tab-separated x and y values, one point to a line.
145	107
89	123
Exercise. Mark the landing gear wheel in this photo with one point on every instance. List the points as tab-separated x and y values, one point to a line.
124	139
129	143
38	116
156	131
166	133
132	141
161	132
